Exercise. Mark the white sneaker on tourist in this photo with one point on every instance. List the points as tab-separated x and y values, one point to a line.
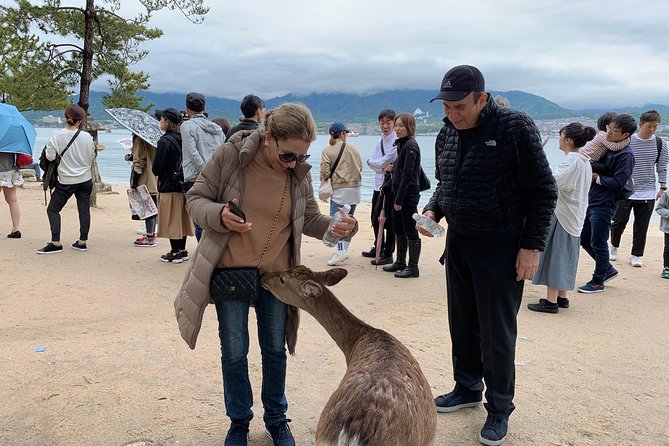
613	253
337	258
636	261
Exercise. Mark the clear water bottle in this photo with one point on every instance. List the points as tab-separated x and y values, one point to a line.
429	225
329	239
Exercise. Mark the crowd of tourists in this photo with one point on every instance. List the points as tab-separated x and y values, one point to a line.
246	194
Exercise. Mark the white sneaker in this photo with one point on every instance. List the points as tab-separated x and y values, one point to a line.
613	253
338	257
636	261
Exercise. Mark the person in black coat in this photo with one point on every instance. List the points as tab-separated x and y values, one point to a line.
497	193
175	223
405	186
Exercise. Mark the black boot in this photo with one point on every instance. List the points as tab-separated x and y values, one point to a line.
414	255
400	263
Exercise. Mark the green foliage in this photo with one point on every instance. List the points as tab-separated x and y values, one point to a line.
124	88
70	45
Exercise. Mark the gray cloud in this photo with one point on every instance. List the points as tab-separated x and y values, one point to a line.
577	54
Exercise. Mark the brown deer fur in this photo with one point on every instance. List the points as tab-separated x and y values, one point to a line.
383	398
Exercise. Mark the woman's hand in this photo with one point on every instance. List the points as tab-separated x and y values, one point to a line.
389	167
344	227
232	221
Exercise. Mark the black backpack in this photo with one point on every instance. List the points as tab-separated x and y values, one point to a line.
50	168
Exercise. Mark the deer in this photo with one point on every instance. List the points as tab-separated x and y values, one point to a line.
383	398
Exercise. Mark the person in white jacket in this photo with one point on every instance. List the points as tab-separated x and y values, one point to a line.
200	137
74	178
559	261
384	155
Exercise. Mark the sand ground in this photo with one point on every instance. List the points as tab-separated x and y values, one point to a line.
116	371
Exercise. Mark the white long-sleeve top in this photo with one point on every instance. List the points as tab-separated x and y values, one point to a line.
646	163
379	160
573	177
75	165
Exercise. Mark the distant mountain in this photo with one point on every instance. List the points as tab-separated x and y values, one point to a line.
344	107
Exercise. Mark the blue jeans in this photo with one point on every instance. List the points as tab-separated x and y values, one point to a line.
595	237
233	317
333	208
198	231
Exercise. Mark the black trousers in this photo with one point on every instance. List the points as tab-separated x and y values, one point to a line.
59	198
643	210
483	302
403	222
666	250
388	231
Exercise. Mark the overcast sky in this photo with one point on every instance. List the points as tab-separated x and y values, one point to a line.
575	53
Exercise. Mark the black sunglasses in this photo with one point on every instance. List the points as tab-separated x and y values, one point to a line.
290	157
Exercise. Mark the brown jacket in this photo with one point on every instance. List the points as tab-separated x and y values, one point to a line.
143	154
221	180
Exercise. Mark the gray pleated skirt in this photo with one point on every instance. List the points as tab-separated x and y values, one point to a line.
559	261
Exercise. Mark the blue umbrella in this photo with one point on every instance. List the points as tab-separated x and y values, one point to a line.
17	135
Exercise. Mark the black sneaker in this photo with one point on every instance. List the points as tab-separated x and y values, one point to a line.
14	234
238	434
370	253
386	260
452	401
184	255
172	257
50	248
544	306
79	246
494	430
563	302
280	434
610	275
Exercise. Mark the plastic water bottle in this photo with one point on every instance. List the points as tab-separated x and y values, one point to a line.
329	239
429	225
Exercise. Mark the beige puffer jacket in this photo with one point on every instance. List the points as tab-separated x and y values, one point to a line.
221	180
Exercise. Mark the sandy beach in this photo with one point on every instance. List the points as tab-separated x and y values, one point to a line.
114	369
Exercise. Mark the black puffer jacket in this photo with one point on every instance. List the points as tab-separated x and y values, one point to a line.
499	180
167	163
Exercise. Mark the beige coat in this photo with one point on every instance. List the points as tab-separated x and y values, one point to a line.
143	154
223	179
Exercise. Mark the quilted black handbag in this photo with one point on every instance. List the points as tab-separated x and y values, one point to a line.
242	283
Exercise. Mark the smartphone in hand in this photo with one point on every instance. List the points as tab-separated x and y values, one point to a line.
235	209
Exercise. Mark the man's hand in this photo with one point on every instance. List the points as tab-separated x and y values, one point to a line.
526	264
431	216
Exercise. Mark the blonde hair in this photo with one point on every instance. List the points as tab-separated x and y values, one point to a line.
291	120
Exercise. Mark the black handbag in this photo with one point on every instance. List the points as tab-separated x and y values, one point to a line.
242	283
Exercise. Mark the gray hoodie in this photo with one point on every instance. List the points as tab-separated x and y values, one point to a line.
200	137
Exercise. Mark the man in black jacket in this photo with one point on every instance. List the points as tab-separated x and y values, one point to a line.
496	191
253	111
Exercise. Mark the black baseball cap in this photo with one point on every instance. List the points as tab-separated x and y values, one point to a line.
171	114
195	102
458	82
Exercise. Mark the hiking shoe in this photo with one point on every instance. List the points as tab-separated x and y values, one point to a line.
610	275
14	234
184	255
238	434
544	306
338	257
563	302
494	430
370	253
636	261
79	246
280	434
146	241
665	272
385	260
172	257
613	253
452	401
590	288
50	248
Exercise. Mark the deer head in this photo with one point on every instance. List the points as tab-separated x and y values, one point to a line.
299	285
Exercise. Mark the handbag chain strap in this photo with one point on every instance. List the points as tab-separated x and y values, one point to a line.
276	219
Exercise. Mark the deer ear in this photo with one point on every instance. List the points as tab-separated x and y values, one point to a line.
332	276
311	289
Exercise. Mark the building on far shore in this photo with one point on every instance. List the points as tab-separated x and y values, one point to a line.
50	119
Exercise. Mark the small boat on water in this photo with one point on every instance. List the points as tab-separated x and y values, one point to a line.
352	134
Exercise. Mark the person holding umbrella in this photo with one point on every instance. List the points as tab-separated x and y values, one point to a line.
17	136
